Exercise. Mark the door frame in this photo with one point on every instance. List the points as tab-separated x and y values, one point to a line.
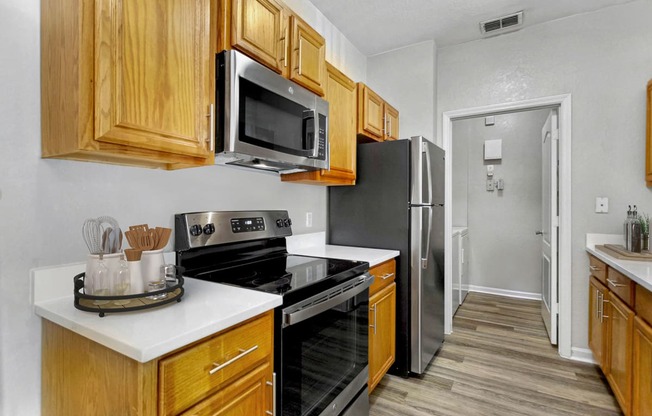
563	103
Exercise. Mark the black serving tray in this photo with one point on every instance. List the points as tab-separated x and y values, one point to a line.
138	301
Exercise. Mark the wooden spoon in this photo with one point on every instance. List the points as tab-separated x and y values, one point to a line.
145	242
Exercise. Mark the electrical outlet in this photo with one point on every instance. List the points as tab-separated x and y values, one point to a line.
308	219
500	184
490	185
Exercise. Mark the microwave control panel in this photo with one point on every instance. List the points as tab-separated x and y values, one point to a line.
322	138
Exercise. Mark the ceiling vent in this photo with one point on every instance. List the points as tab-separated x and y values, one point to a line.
503	24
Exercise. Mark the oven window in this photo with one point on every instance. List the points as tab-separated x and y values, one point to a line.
322	355
274	122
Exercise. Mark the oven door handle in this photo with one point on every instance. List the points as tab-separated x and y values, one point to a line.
315	308
311	115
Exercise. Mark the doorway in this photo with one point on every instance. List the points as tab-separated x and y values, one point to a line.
562	104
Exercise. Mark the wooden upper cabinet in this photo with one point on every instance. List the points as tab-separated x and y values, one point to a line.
128	82
258	28
340	94
391	122
377	119
308	56
648	141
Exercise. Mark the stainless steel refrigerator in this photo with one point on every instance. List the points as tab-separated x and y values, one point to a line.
398	203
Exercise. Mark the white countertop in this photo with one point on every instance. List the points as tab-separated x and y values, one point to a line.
314	245
638	271
206	308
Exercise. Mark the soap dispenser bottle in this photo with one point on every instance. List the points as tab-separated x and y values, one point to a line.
635	232
626	226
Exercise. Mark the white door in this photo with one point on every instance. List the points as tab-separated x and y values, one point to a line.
550	225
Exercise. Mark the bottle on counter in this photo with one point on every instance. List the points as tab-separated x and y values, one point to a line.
635	232
626	226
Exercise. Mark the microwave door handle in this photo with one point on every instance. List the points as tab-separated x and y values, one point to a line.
312	115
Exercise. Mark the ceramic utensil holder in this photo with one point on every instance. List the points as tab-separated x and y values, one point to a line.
137	284
151	265
111	261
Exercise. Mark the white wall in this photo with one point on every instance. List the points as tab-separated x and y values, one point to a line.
506	252
405	78
44	202
604	59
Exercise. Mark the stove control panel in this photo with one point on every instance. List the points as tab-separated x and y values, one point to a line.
243	225
201	229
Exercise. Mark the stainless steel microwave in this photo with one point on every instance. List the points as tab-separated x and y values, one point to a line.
265	121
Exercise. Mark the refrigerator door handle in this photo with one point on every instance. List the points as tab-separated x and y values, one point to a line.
428	173
424	254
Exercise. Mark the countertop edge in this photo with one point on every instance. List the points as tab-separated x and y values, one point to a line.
373	256
620	265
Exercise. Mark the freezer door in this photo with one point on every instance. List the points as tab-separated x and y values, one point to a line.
427	285
427	171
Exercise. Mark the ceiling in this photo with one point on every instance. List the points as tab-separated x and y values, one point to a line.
377	26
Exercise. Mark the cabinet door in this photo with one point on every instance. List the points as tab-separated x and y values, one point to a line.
248	396
340	94
382	334
642	369
308	56
597	322
370	113
648	142
154	75
391	122
257	29
619	351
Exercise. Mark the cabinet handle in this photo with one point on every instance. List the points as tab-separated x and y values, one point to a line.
299	62
387	276
614	284
602	315
594	268
285	48
389	131
211	127
374	325
273	384
218	367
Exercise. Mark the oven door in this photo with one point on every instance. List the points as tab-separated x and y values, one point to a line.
325	350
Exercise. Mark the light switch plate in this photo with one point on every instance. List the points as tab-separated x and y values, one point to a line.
490	170
601	205
490	185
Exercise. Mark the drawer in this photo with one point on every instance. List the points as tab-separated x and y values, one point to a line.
644	303
384	274
622	286
185	377
598	269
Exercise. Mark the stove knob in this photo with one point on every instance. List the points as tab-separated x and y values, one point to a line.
195	230
209	229
279	223
287	222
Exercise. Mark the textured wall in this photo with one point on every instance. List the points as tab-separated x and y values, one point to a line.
505	252
44	202
604	59
405	78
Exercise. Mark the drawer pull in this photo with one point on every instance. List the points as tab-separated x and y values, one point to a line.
614	284
595	268
387	276
218	367
272	384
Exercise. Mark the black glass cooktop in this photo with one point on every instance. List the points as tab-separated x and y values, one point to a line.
285	274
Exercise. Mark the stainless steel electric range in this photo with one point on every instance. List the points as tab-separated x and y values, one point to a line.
321	329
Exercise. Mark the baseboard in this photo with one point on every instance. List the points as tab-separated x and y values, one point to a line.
504	292
582	354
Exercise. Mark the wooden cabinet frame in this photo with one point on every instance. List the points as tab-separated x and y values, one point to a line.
648	140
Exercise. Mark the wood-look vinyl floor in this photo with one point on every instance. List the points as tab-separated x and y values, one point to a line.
497	361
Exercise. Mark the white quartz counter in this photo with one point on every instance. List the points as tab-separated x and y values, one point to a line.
371	255
638	271
206	308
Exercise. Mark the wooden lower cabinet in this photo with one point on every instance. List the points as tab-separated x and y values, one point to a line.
642	369
80	376
382	322
619	351
597	321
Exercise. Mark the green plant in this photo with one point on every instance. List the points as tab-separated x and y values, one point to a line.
644	220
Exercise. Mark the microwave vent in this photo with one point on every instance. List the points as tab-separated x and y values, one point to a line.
502	24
